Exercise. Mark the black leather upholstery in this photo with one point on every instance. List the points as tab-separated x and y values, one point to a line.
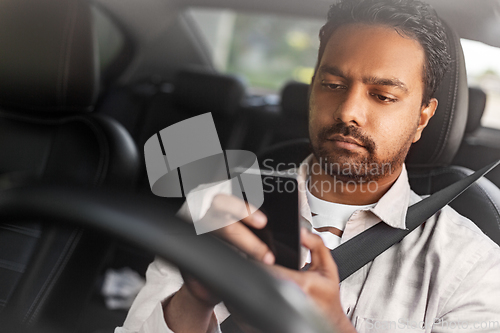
49	60
477	104
200	91
146	108
48	271
442	136
83	149
292	101
293	119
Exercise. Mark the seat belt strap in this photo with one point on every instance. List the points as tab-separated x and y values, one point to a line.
366	246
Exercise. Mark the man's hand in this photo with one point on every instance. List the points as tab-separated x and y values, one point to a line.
186	312
191	308
231	208
320	282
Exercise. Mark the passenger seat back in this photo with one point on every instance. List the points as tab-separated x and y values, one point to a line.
293	119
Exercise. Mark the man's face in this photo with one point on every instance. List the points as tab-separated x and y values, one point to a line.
365	105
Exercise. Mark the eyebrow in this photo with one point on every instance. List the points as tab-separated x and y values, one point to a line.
385	82
373	80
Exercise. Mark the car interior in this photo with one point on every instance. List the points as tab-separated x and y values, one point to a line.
84	84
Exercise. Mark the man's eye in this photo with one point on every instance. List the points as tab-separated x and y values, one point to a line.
384	98
333	86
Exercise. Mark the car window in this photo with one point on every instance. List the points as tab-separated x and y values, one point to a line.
268	50
483	70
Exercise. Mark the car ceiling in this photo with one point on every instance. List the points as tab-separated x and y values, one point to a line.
146	22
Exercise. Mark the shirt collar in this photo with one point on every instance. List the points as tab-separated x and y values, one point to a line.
393	205
391	208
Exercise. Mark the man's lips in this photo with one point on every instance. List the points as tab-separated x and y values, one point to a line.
344	141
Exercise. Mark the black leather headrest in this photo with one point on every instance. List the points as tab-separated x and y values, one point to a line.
199	91
477	103
441	138
294	99
48	56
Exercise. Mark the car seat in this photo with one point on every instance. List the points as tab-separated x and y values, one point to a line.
49	80
293	118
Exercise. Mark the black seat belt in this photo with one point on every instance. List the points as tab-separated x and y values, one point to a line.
366	246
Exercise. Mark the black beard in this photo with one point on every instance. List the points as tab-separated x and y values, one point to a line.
345	165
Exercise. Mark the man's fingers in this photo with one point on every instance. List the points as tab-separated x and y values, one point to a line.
231	207
307	281
320	255
240	236
284	273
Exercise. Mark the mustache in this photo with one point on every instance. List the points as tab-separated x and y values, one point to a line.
352	131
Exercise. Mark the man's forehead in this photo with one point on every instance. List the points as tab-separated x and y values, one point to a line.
373	52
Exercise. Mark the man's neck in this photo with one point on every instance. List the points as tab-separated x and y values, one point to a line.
350	192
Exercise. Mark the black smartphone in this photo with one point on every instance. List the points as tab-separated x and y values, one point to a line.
281	206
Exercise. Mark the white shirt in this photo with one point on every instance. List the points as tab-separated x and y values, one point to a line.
329	214
443	274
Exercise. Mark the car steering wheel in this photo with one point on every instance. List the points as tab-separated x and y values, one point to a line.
269	304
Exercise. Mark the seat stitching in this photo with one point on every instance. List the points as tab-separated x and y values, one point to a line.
452	106
54	274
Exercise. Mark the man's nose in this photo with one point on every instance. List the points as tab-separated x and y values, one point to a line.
353	108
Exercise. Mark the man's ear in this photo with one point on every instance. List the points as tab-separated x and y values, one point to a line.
426	114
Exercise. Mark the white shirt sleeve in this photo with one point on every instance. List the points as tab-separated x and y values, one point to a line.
146	313
163	280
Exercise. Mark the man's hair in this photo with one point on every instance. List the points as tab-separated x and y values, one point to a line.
411	18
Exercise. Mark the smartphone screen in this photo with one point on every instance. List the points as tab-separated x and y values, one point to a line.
281	206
